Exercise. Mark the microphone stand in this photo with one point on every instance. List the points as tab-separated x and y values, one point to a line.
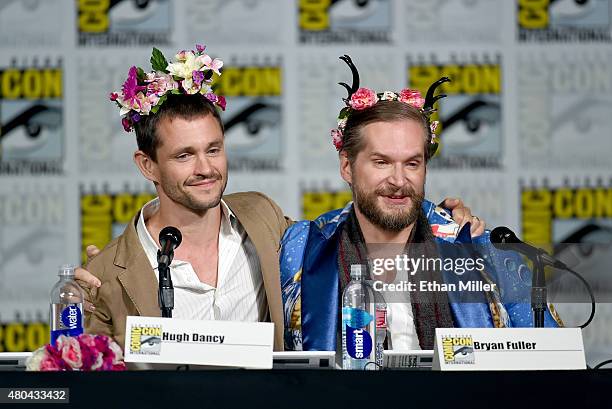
165	295
538	291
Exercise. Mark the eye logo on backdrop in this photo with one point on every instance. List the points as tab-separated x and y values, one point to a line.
345	21
227	21
564	109
24	23
106	212
31	125
452	21
471	116
124	22
563	20
254	118
552	214
32	244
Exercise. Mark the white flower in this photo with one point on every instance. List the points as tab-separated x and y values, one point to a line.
34	361
186	68
388	96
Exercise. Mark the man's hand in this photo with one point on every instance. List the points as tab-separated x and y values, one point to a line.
88	278
462	214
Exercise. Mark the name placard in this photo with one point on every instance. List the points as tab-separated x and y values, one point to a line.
480	349
217	343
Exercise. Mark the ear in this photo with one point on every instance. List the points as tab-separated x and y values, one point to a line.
147	166
345	168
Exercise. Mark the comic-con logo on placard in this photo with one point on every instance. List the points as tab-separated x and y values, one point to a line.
104	215
145	340
563	20
124	22
254	118
471	114
345	21
31	126
458	350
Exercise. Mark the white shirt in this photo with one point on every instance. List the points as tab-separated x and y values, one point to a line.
400	322
239	294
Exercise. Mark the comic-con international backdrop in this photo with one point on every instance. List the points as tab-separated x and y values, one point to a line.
525	140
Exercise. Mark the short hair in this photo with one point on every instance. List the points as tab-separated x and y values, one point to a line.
176	106
382	111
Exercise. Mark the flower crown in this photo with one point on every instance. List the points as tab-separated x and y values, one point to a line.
144	93
361	98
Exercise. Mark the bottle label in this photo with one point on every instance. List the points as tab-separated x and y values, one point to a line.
67	319
358	339
71	317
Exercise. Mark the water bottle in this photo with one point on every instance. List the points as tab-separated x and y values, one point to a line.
381	332
66	312
358	322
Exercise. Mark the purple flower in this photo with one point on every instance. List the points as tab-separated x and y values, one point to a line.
130	87
135	117
198	77
211	97
200	48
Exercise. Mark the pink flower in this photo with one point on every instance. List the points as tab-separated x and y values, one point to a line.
127	125
49	364
221	102
160	83
200	48
214	65
336	135
411	97
181	56
433	126
363	98
71	351
130	87
113	96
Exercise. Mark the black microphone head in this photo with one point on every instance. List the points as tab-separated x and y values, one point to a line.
503	235
171	234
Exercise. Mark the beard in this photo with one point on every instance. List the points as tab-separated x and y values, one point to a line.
394	220
178	192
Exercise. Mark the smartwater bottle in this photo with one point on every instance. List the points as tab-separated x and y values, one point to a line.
66	311
358	324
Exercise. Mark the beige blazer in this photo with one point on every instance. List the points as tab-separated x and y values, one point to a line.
129	286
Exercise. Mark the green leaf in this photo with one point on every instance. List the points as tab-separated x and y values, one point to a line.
140	74
162	99
344	113
158	61
175	91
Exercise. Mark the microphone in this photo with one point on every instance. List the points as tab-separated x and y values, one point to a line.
169	239
503	238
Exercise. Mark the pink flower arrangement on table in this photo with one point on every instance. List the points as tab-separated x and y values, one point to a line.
143	93
85	352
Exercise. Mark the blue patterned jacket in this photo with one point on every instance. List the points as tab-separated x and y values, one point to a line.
310	282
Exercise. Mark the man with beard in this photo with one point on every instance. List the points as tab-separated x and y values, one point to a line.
384	141
226	267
